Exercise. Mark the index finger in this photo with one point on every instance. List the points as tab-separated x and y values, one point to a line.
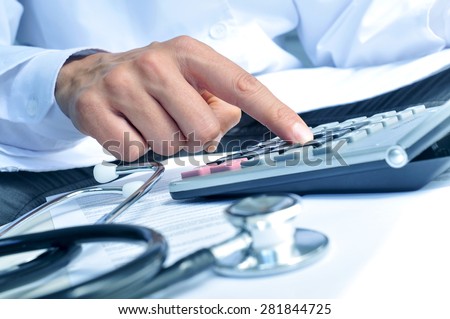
231	83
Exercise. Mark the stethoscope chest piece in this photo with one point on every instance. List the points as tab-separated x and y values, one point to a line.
277	245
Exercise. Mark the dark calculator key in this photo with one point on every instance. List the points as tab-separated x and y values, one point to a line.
251	148
355	126
230	157
340	133
274	141
255	152
283	147
319	141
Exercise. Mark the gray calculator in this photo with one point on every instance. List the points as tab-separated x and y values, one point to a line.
390	151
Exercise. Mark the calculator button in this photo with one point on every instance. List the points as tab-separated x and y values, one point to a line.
355	126
198	171
227	166
340	133
277	145
353	121
252	162
355	136
295	156
251	148
324	127
255	152
417	109
285	146
230	157
288	156
405	114
329	147
317	142
273	141
375	119
372	128
388	121
384	114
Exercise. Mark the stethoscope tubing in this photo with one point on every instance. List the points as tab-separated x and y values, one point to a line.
62	245
146	265
42	266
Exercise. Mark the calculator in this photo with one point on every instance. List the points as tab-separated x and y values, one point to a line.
390	151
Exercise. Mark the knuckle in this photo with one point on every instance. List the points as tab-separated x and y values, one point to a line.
246	84
153	64
117	79
148	60
185	43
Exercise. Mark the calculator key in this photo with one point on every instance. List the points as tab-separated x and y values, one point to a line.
273	141
295	156
288	156
372	128
355	126
375	119
283	147
198	171
251	148
324	127
405	114
385	114
355	136
227	166
255	161
353	120
255	152
229	157
319	141
388	121
340	132
330	147
417	109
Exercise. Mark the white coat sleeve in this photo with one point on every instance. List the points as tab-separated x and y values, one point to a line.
347	33
30	118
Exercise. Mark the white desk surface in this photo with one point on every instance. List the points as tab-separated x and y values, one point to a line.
387	246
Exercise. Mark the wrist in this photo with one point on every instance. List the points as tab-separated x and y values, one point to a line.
71	76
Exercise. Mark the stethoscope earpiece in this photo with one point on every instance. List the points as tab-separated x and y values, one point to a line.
105	172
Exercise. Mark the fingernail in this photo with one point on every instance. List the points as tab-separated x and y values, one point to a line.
302	133
211	148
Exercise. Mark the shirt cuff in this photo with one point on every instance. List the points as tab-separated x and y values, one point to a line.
37	106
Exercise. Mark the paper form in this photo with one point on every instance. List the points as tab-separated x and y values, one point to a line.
187	225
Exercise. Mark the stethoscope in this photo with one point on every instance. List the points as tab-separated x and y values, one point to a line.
266	243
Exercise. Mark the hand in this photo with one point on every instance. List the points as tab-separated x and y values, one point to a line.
178	94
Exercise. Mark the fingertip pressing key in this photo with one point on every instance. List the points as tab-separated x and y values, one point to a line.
301	133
